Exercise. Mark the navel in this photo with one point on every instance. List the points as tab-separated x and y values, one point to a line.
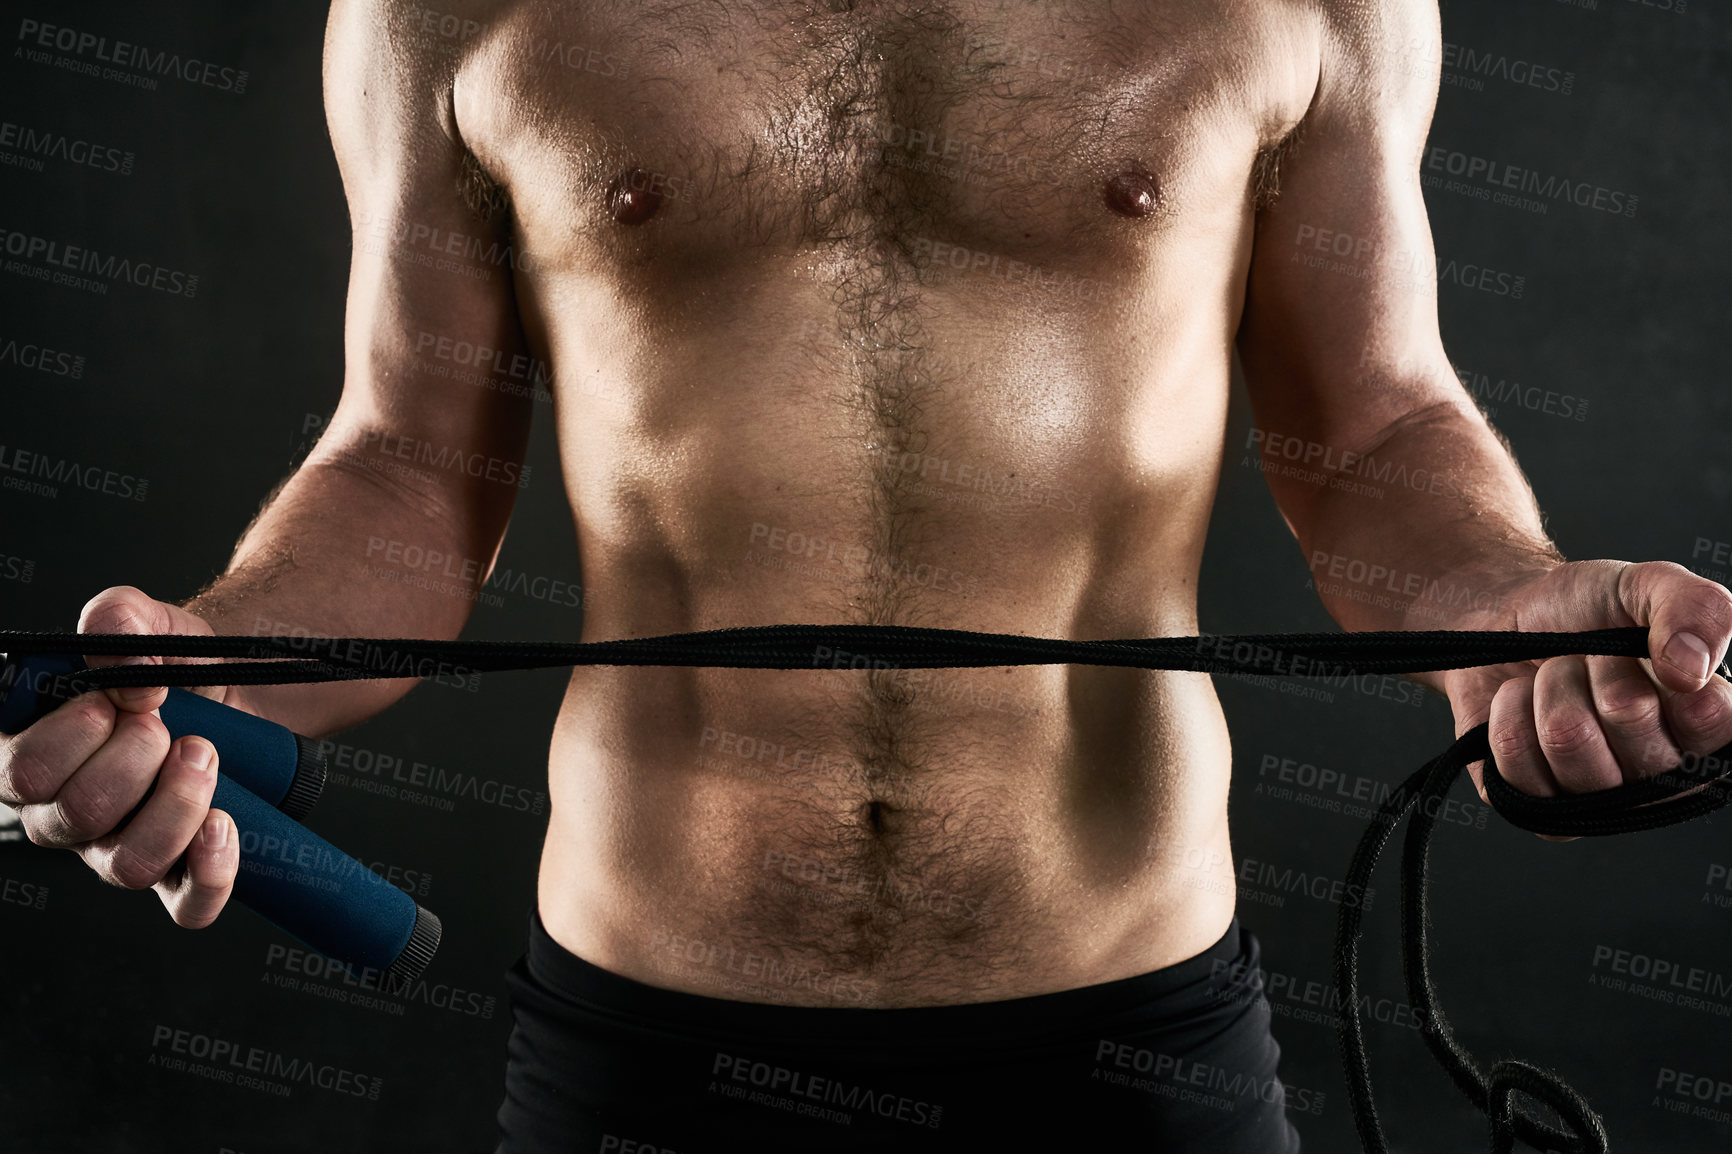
1133	192
633	197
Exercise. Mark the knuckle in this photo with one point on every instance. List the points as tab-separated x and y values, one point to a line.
1654	576
111	610
1716	600
146	731
91	716
1568	732
187	794
1629	705
1656	570
39	834
1509	742
29	775
1704	600
189	914
1701	712
31	768
85	814
132	870
1711	605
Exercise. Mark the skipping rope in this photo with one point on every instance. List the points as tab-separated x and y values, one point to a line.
1701	784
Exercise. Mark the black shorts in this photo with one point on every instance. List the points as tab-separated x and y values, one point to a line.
1177	1060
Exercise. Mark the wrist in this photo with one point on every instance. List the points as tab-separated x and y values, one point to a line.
1471	600
1474	598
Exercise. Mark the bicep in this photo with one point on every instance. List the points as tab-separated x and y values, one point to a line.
431	316
1339	338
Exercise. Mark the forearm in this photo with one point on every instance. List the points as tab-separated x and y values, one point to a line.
340	551
1424	530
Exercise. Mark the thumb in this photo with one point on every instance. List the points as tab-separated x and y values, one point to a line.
1689	620
124	609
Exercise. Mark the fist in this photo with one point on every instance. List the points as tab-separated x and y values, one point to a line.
79	775
1578	724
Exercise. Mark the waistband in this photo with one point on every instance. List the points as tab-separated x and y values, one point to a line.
1193	984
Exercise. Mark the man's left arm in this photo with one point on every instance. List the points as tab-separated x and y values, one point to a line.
1410	508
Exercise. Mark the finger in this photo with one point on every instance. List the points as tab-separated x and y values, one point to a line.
141	854
1471	690
1515	741
1570	735
1700	722
124	609
105	788
1632	718
36	764
199	890
1689	620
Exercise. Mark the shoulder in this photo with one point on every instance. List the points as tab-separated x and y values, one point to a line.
389	76
1378	64
390	73
391	54
1378	22
432	30
1382	55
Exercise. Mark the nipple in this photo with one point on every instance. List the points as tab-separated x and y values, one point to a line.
633	197
1133	192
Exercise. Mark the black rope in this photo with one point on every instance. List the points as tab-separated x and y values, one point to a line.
300	659
1700	785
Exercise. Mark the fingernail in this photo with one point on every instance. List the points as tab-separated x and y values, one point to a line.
1689	653
197	754
216	832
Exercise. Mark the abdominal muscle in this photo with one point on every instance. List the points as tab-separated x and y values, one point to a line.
717	831
853	837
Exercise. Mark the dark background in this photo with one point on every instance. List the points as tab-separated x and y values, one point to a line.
210	400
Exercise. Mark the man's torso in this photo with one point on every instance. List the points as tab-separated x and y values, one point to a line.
885	314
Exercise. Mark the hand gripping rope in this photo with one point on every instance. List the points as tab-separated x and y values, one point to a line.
1700	785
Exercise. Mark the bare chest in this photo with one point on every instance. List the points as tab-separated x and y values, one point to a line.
630	134
842	169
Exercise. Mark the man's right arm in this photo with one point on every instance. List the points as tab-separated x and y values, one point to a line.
412	466
410	461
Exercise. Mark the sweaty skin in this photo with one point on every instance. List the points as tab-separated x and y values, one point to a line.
869	313
900	338
874	314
